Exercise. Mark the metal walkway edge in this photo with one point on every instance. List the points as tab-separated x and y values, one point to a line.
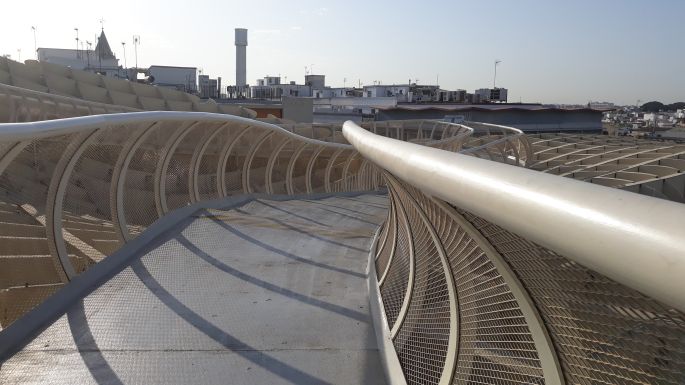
269	291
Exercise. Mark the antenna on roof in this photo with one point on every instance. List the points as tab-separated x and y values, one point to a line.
88	52
136	41
35	46
123	45
494	80
78	54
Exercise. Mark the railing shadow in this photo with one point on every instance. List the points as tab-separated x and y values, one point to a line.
269	286
273	365
292	213
275	250
303	232
87	347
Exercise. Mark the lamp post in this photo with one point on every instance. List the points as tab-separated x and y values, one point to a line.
35	46
89	44
136	41
123	46
78	54
494	80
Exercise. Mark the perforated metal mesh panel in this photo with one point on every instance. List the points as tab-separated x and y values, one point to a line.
604	332
86	211
422	340
177	176
139	203
390	237
206	182
394	287
495	343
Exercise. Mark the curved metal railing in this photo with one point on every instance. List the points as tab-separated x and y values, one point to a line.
493	274
499	143
487	273
74	190
433	133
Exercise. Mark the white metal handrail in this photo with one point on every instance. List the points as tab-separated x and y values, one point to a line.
43	129
634	239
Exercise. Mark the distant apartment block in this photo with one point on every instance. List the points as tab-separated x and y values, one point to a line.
489	95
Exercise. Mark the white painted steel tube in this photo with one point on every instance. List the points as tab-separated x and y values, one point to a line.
634	239
47	128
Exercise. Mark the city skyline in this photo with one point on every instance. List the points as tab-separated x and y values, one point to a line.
551	53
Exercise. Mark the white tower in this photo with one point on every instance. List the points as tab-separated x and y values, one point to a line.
240	58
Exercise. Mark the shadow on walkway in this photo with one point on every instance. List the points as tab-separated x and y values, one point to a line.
275	366
272	249
269	286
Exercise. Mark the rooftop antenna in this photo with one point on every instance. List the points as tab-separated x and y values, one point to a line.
35	46
494	80
99	47
19	54
123	46
344	81
78	54
90	45
311	69
136	41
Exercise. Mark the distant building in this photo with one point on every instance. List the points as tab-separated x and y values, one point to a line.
180	78
404	93
527	117
316	82
270	87
489	95
100	60
336	92
209	88
602	105
269	81
456	96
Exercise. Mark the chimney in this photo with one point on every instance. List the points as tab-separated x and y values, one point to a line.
240	58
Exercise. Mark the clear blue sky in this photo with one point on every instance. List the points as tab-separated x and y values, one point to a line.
551	51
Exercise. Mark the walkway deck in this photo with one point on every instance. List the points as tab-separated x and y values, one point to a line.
272	292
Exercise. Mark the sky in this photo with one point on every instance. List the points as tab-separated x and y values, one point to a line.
551	51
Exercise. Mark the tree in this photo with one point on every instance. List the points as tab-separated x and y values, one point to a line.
652	107
675	106
658	106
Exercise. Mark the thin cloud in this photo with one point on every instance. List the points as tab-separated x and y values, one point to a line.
268	31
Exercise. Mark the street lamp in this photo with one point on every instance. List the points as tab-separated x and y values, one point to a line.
35	46
78	54
123	46
494	80
136	41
